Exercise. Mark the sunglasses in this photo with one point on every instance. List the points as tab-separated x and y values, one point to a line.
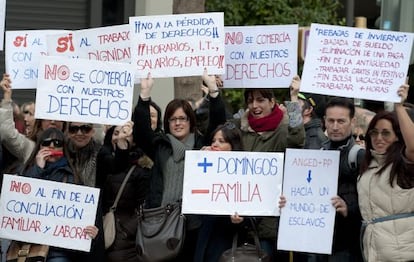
386	134
49	141
83	128
360	137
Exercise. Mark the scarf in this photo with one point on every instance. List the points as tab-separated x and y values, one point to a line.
173	169
266	123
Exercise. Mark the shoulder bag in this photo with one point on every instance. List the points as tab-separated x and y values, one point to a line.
160	233
26	252
109	226
246	252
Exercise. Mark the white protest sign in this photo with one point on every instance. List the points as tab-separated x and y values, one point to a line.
23	52
84	90
178	45
47	212
310	181
225	182
2	22
356	62
110	43
261	56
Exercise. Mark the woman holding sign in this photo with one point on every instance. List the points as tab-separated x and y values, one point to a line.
216	233
48	161
168	150
386	186
269	127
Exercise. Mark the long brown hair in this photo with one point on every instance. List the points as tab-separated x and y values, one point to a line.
399	169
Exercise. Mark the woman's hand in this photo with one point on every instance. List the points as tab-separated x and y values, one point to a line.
124	138
236	219
403	92
210	81
340	205
5	84
92	231
42	157
146	87
294	88
282	201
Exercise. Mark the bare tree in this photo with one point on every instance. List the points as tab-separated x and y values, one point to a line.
188	87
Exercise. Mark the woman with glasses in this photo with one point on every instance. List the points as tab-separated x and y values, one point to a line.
82	151
167	150
386	186
48	161
82	156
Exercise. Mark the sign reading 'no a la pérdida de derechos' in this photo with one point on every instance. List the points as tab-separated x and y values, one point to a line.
177	45
225	182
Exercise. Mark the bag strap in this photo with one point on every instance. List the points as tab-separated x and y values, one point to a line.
353	155
256	238
378	220
23	252
118	195
259	251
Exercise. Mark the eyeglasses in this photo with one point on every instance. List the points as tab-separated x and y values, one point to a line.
83	128
386	134
179	119
360	137
56	142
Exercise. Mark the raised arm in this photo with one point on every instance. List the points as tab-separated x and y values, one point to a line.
296	135
406	124
143	133
217	110
18	144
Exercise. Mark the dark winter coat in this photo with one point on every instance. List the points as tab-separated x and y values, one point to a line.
346	230
112	168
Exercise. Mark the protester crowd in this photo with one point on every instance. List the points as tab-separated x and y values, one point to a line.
375	182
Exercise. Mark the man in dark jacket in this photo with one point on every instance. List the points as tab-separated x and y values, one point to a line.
339	119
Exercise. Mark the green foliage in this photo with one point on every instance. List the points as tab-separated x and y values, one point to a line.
273	12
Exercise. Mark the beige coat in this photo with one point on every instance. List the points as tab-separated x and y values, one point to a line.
389	240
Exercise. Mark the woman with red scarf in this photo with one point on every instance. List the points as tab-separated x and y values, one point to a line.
267	127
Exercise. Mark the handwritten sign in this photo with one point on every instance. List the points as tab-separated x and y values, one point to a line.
222	183
178	45
309	183
261	56
356	62
47	212
23	52
110	43
2	22
84	90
